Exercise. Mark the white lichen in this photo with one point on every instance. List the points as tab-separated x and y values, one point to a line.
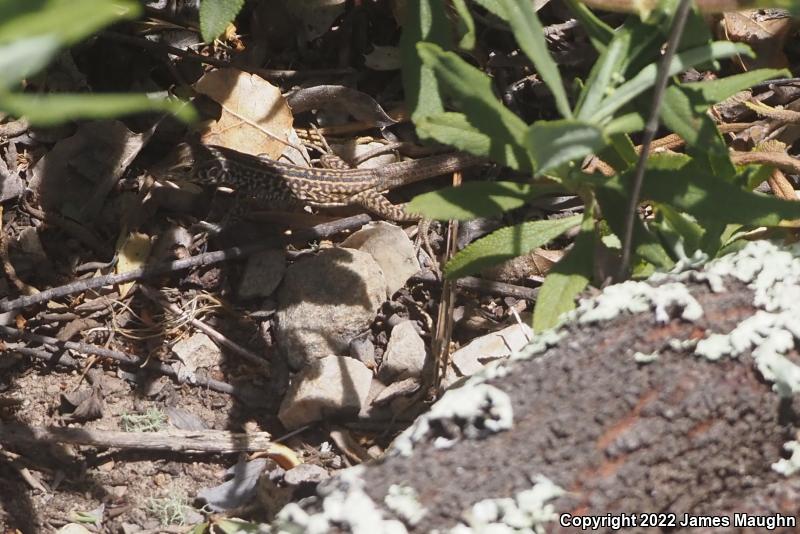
646	358
638	297
403	501
773	274
527	512
478	409
791	465
344	505
540	343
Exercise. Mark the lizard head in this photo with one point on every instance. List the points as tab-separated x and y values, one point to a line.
179	164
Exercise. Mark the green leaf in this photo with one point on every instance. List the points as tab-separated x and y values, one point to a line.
689	231
553	143
684	111
605	75
494	7
703	140
236	526
425	20
477	199
646	40
25	57
472	91
627	123
45	110
215	15
67	21
705	94
677	180
564	282
600	33
454	129
753	175
78	516
620	152
466	25
507	243
530	36
613	200
646	77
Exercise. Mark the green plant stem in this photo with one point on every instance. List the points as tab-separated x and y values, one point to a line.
650	132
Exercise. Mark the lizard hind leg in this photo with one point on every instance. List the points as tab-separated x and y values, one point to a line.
375	202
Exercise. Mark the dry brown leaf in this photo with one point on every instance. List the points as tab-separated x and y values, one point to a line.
281	454
132	255
536	263
764	30
255	117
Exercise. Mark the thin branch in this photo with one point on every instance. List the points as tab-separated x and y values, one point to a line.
123	358
204	441
156	297
650	130
209	258
481	285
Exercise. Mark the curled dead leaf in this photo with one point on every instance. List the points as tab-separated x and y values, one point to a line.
255	118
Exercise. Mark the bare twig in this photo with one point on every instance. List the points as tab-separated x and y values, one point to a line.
482	285
650	132
781	160
122	357
316	232
156	297
205	441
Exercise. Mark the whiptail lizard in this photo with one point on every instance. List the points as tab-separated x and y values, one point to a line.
282	184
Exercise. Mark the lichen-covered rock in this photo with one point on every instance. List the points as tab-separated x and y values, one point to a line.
675	395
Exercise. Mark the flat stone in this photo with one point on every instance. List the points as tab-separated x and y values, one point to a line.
391	248
335	386
472	357
405	353
262	274
325	301
198	351
398	389
305	474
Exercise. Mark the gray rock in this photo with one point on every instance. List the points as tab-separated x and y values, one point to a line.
305	474
391	248
262	274
332	386
11	185
325	301
363	350
198	351
405	353
397	389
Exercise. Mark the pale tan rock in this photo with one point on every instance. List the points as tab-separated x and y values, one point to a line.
325	301
405	354
333	386
391	248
